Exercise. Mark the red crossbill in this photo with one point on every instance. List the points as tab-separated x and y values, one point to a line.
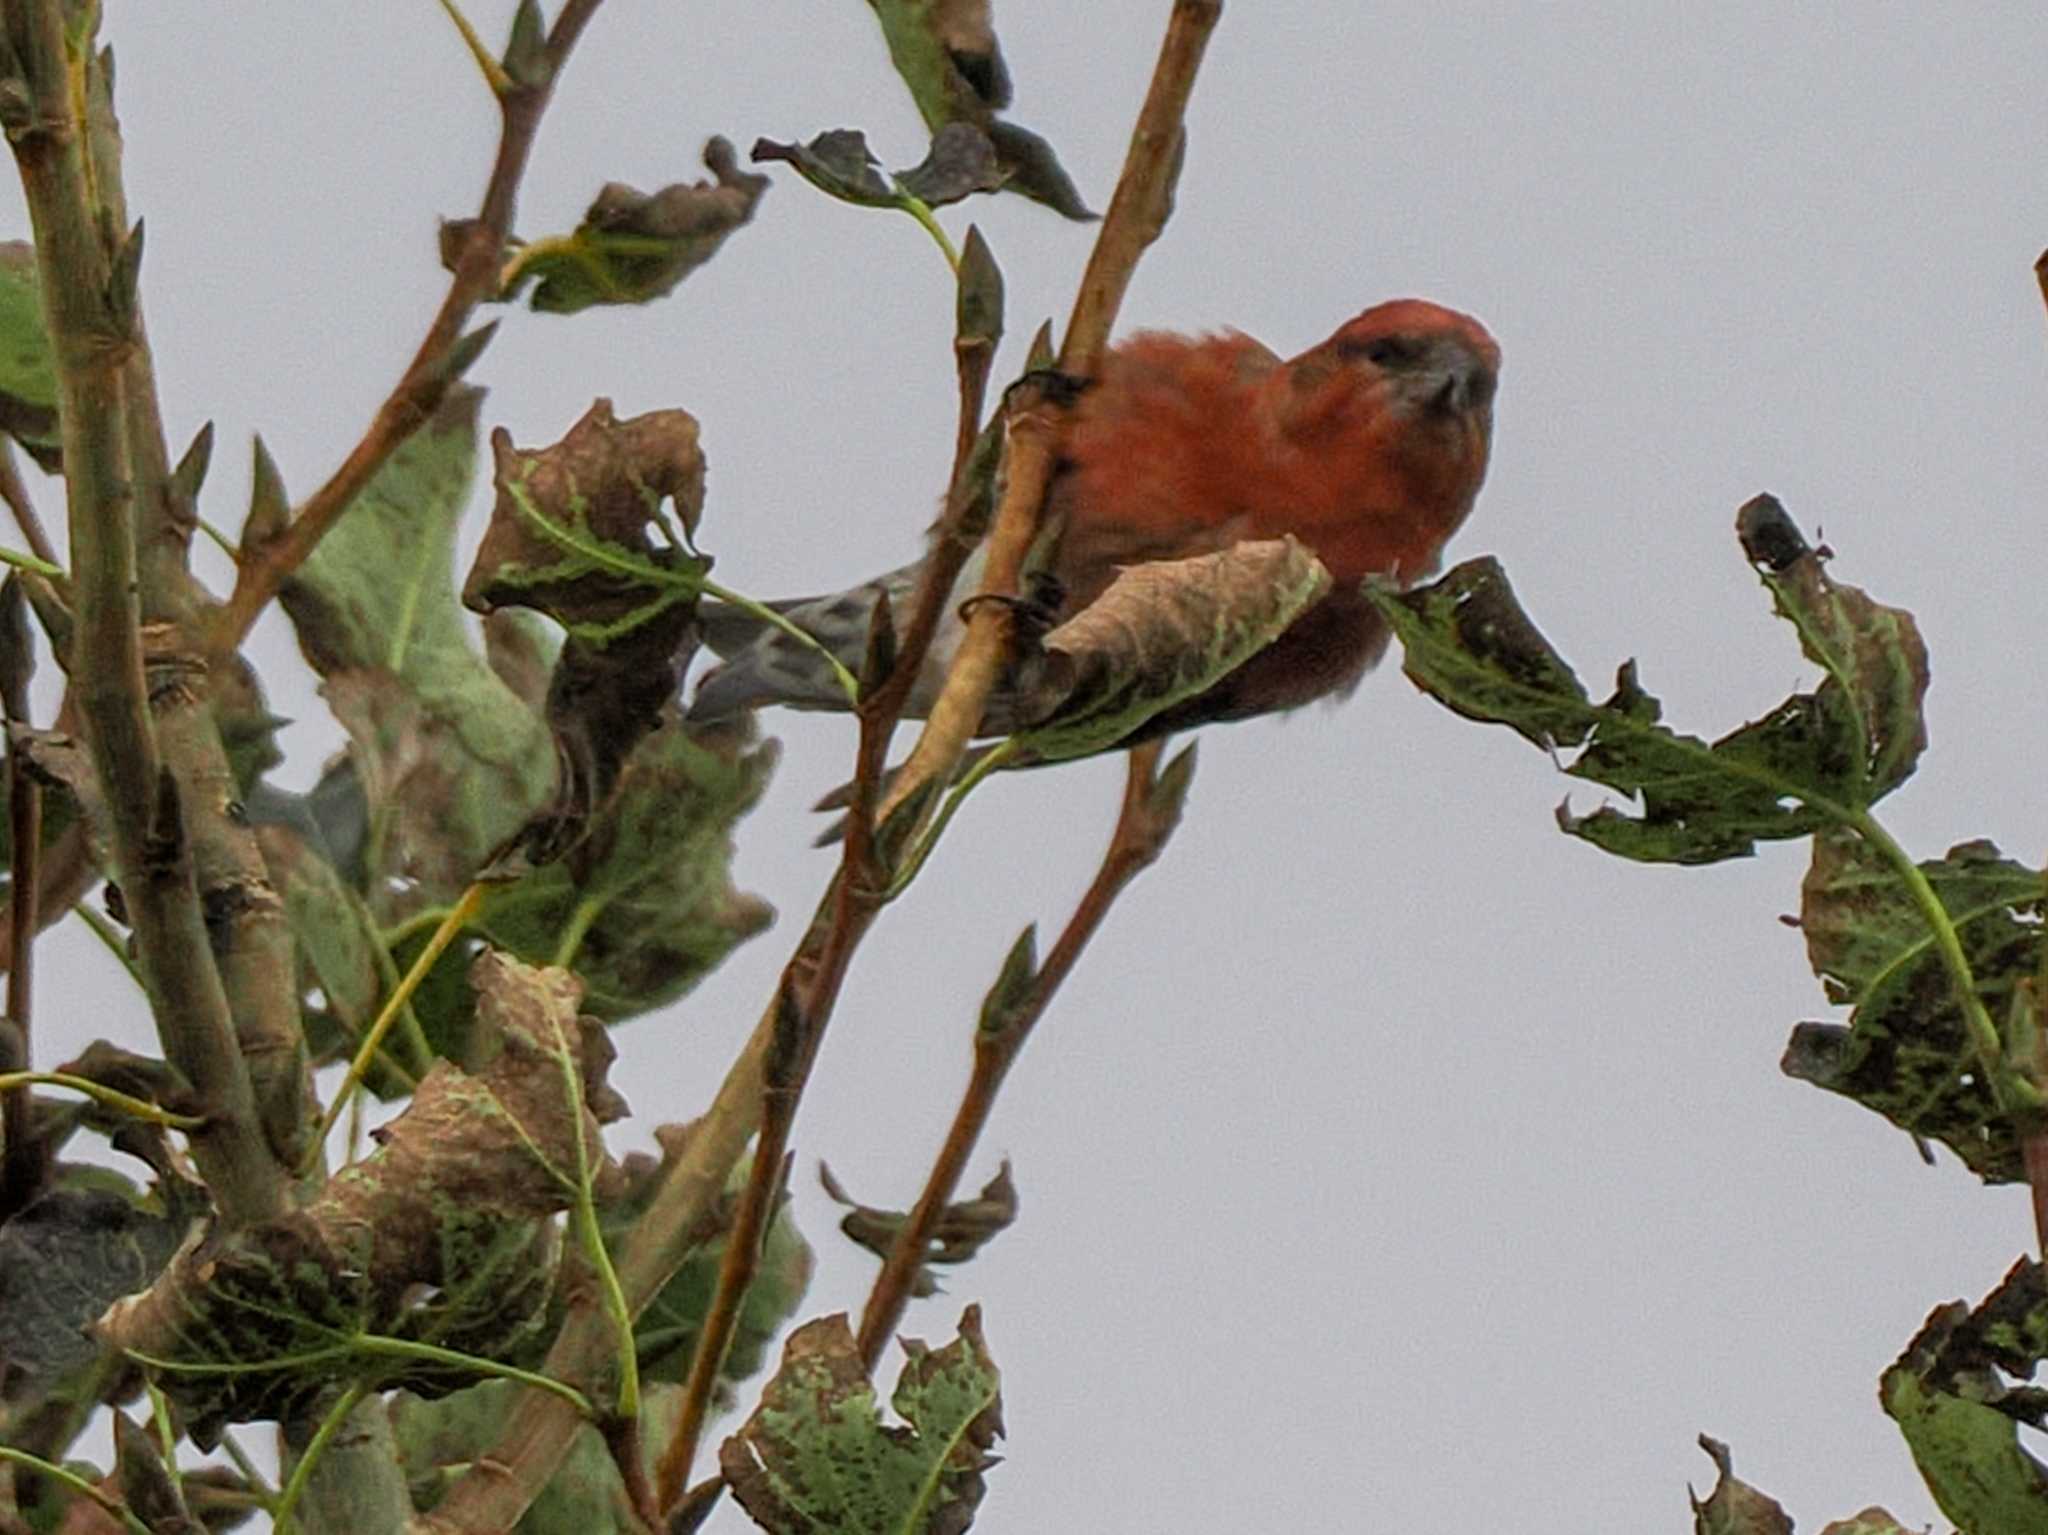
1368	448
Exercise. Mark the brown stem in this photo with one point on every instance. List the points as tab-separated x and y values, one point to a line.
15	494
1142	829
66	874
21	1159
426	379
1137	212
92	345
499	1487
852	903
2034	1152
493	1496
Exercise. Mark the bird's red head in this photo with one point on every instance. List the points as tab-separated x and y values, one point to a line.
1429	358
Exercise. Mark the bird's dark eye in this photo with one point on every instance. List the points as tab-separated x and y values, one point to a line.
1380	351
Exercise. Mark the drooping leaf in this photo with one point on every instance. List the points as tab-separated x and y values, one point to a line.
574	536
960	163
947	53
962	1229
1818	758
633	246
1907	1051
443	1236
837	162
148	1490
1162	633
649	886
1734	1507
1950	1396
449	760
92	1238
28	370
814	1455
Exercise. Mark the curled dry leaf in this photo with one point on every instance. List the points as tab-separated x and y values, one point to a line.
1162	633
1734	1507
963	1228
632	246
838	162
442	1236
579	534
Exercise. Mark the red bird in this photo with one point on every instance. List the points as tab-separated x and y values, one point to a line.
1368	448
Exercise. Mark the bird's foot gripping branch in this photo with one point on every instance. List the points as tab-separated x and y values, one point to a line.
1939	962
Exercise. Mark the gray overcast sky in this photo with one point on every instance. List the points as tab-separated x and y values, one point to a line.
1392	1161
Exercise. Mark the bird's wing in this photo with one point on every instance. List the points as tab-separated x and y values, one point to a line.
762	664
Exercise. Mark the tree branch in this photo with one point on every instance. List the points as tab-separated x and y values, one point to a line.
264	570
22	1159
793	1025
1151	811
1137	212
92	341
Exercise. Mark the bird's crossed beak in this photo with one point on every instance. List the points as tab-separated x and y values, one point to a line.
1456	378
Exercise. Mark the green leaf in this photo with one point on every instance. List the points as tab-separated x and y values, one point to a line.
948	55
646	902
1817	758
1907	1051
1961	1420
68	1256
438	1440
814	1455
28	370
450	760
632	246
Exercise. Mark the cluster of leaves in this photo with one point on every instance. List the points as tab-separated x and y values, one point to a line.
1937	961
553	762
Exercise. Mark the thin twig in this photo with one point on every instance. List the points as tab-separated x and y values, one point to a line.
21	1158
92	338
849	906
538	1432
14	492
426	379
1142	829
1136	214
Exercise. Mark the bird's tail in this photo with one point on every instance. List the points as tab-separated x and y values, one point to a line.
761	663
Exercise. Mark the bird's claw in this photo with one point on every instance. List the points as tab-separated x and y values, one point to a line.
1036	611
1055	387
